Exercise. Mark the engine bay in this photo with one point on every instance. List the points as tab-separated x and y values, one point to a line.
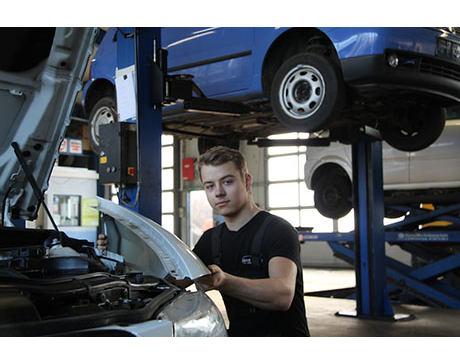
50	282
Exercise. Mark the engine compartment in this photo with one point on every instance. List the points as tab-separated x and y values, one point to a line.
51	284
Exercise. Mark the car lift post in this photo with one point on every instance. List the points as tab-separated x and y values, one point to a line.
149	118
372	300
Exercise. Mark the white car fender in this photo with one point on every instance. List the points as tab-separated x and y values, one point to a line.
336	153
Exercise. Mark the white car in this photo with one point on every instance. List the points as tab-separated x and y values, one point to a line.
431	175
53	285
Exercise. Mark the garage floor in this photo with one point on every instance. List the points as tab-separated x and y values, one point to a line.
323	321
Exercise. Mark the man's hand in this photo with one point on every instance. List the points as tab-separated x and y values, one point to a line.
273	293
215	280
101	242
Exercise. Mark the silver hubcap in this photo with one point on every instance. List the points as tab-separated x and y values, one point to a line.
302	92
103	116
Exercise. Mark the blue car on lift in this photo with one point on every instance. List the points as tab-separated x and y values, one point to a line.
397	80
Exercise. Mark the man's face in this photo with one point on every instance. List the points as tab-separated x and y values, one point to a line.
226	191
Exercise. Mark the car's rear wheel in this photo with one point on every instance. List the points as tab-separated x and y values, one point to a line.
103	112
419	127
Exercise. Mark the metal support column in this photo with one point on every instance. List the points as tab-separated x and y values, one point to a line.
372	300
368	247
143	43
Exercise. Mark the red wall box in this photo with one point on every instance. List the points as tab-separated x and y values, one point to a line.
188	168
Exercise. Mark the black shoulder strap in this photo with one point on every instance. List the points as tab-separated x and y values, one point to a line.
256	247
216	244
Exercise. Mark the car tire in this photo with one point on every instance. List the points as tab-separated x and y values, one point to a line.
307	92
103	112
332	196
421	126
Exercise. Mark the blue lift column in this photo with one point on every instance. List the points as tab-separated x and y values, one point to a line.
372	300
142	43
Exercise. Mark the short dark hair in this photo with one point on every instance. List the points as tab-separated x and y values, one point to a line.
219	155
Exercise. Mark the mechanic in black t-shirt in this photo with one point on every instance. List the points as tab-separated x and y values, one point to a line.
254	257
262	290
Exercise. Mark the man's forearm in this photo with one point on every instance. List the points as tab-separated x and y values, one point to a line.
269	293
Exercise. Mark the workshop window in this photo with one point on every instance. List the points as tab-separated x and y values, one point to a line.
287	193
167	182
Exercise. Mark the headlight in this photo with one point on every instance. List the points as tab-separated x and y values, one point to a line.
194	314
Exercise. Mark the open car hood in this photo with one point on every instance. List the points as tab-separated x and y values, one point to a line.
146	246
41	71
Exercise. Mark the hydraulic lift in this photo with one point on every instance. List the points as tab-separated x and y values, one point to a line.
433	277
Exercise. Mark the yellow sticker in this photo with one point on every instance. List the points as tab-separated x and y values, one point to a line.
103	160
89	214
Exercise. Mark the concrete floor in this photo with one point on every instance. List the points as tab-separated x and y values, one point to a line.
323	321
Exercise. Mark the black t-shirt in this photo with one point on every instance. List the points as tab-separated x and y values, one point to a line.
280	240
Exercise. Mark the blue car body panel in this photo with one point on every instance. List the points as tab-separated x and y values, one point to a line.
189	46
107	53
355	42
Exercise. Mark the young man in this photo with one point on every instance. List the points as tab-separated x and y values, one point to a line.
254	257
262	287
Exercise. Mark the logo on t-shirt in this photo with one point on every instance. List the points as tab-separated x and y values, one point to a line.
246	259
